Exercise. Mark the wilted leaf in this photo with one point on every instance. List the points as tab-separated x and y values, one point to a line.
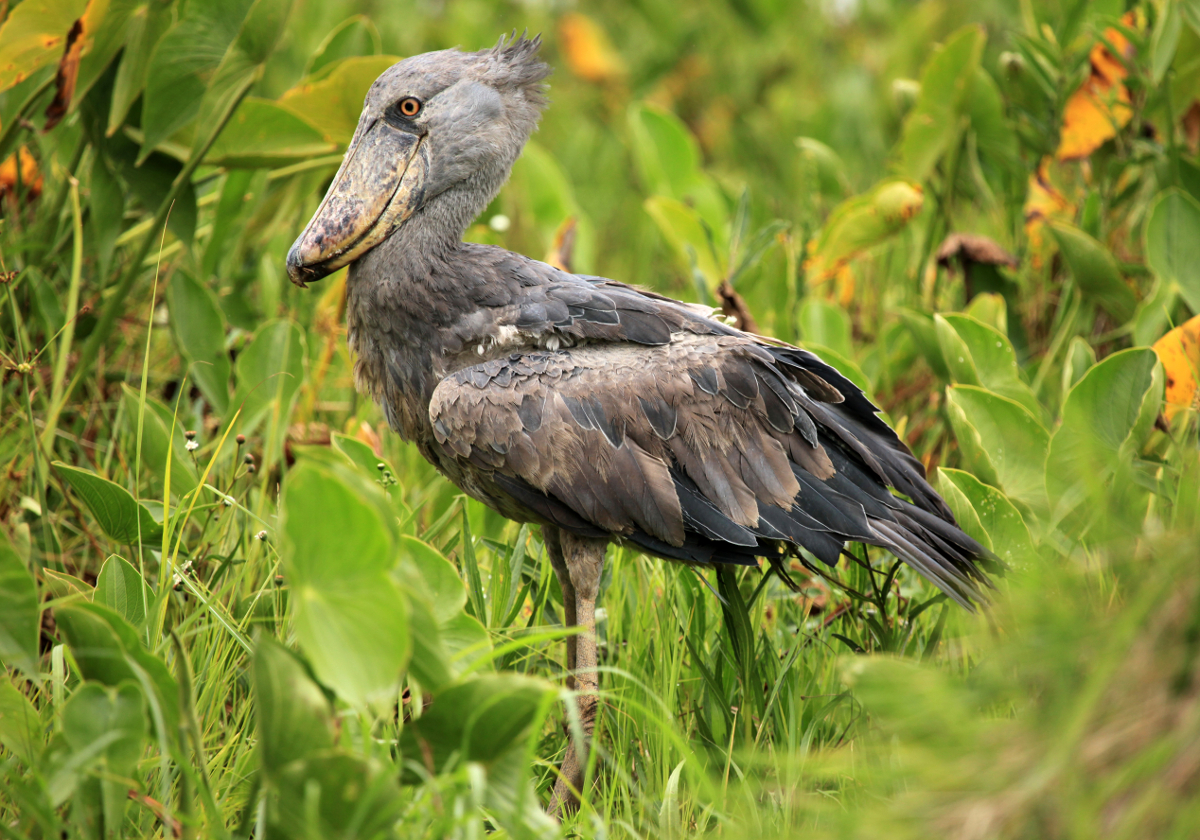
1172	242
587	49
1179	352
860	223
121	516
64	78
33	36
1101	106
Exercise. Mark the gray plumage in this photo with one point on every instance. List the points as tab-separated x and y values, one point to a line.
601	411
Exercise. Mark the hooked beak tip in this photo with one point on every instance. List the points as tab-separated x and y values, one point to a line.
298	272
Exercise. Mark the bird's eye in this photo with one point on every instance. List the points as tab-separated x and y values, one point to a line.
409	106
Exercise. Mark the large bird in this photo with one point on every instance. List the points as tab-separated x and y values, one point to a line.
602	412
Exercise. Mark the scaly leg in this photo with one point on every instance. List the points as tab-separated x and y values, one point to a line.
584	561
551	537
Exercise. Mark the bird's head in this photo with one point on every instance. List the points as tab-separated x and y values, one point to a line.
438	135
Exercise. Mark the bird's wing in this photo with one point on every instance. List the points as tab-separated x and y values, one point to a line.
701	447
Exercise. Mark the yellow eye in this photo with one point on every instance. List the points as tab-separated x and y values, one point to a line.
410	106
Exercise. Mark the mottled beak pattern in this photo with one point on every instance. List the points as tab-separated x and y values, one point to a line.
379	184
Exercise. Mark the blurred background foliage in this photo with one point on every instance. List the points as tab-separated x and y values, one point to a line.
233	604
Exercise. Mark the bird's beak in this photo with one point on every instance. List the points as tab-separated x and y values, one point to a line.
379	185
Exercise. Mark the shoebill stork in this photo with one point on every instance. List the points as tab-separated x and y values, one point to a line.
600	411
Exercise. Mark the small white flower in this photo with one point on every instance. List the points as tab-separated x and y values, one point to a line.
261	536
186	567
228	500
499	223
192	446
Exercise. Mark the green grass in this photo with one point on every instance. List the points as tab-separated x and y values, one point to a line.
271	638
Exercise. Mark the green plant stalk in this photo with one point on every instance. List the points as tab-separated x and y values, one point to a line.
57	400
112	309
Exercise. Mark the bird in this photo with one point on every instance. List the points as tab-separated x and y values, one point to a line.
601	412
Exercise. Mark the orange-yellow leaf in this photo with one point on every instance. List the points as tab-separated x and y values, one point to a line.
1043	201
589	53
64	79
1179	352
1100	107
31	176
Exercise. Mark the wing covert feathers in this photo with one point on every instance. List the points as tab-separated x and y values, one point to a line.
703	445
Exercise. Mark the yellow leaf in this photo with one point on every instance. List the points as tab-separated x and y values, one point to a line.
1043	202
589	53
1179	352
1100	107
31	177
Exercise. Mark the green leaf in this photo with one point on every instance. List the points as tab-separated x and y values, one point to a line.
480	719
108	650
240	67
1007	534
339	547
108	725
934	124
978	354
963	510
262	133
199	330
994	134
355	36
690	240
335	794
924	334
1172	241
270	370
1099	419
33	36
447	593
295	719
861	223
121	588
20	618
333	101
1008	443
1095	271
1153	316
161	433
146	27
1080	358
20	726
826	165
121	517
842	365
826	324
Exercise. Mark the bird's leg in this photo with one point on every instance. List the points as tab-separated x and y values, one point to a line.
584	560
551	537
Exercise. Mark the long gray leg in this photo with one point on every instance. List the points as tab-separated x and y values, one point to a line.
551	537
584	561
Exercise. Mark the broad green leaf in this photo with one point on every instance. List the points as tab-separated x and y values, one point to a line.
1172	241
295	719
108	650
430	661
924	334
63	585
989	308
121	516
862	222
120	588
20	618
1095	271
935	122
109	726
106	25
270	370
994	134
1009	437
826	324
359	454
690	239
355	36
151	22
150	181
199	330
447	594
20	726
335	794
465	640
978	354
963	510
184	61
161	433
829	173
240	67
1153	316
1007	534
334	101
351	617
843	365
1080	358
262	133
1099	418
33	36
480	719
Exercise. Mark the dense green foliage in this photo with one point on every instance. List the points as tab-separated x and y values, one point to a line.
232	603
